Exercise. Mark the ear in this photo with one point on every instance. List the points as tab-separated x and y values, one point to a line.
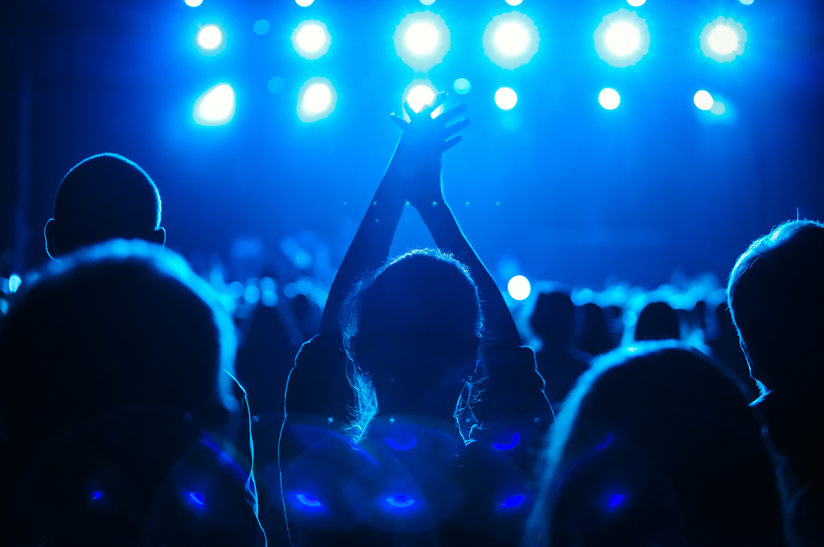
159	236
50	236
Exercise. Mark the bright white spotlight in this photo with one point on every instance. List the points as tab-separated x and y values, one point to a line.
511	40
193	3
514	2
506	98
636	3
316	100
746	2
622	38
427	2
304	3
519	287
419	95
609	98
209	37
311	39
216	106
422	40
703	100
718	108
723	39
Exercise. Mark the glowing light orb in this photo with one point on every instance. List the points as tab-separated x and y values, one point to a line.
703	100
514	2
723	39
419	96
308	500
462	86
506	98
511	40
193	3
622	38
14	283
427	2
519	287
209	37
261	27
615	500
422	40
506	440
316	100
216	106
609	98
304	3
311	39
401	501
636	3
513	501
196	498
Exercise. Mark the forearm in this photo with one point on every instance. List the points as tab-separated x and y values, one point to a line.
370	247
499	325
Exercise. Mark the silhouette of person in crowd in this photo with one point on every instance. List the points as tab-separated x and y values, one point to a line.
657	321
776	297
104	197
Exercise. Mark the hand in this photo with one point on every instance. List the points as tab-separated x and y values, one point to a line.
424	140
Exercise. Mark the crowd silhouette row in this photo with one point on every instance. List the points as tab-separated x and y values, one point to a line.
408	407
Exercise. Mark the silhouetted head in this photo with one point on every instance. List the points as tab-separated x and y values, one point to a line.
414	329
595	337
657	321
104	197
656	445
114	326
776	296
554	318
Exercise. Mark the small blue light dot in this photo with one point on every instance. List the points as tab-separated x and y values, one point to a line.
615	500
308	501
606	442
401	501
513	501
330	419
14	282
196	498
96	496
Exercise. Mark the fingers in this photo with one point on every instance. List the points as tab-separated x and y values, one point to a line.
455	127
451	113
449	143
400	122
439	99
407	109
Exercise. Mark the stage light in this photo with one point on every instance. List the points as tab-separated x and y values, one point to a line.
311	39
513	501
703	100
615	500
746	2
427	2
316	100
422	40
506	98
14	283
193	3
514	2
462	86
307	500
609	98
216	106
636	3
718	108
419	94
304	3
622	38
260	27
209	38
400	501
723	39
506	441
519	287
511	40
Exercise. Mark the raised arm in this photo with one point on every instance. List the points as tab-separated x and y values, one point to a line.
370	247
433	138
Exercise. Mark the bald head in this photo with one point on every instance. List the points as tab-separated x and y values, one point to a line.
104	197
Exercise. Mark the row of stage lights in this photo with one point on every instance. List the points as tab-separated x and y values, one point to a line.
422	40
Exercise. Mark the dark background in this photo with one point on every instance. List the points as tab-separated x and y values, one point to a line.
557	188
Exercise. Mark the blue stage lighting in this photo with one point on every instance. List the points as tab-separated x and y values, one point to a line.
261	27
216	106
514	2
636	3
723	39
615	500
193	3
304	3
746	2
311	39
14	283
506	441
308	500
97	494
622	38
703	100
210	38
513	501
511	40
519	287
506	98
462	86
316	100
400	501
422	40
419	94
427	2
196	499
609	98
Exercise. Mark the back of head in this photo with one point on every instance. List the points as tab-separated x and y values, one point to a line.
114	326
657	321
776	296
657	441
553	318
595	337
104	197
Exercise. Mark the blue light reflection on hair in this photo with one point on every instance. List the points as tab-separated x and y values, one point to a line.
400	501
605	443
506	440
512	501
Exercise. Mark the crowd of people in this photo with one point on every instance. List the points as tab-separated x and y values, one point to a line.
412	404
